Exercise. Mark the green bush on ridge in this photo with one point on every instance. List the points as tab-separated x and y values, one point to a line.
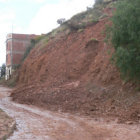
125	38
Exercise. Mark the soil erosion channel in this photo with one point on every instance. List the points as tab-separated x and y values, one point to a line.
38	124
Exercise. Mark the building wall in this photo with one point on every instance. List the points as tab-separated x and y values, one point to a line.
8	59
16	45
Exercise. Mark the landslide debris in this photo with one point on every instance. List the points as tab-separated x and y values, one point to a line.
71	71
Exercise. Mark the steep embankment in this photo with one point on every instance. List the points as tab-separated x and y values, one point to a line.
72	72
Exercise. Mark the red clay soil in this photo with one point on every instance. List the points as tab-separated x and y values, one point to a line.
73	73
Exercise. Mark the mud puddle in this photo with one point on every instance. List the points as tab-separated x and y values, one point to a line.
37	124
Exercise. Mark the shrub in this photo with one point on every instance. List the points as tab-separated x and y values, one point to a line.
76	26
3	70
29	48
99	1
37	39
125	37
94	40
10	82
61	21
80	30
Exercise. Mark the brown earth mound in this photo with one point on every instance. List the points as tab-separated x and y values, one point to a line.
73	73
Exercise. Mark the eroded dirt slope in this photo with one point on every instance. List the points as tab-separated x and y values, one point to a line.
73	73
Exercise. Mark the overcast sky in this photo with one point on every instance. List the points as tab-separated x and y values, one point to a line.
34	16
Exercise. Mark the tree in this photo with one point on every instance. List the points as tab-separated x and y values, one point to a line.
61	21
3	70
98	1
125	37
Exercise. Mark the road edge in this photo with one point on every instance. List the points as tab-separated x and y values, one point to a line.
10	128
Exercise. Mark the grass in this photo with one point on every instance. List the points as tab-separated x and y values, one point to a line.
80	30
94	40
39	38
10	83
2	80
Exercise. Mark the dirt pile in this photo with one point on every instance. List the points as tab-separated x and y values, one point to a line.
73	73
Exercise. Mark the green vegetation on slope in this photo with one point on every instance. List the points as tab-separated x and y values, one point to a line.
32	45
77	23
125	37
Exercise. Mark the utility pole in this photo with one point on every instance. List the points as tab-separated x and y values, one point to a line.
12	50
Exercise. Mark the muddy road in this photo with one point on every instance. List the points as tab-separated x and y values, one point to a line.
37	124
